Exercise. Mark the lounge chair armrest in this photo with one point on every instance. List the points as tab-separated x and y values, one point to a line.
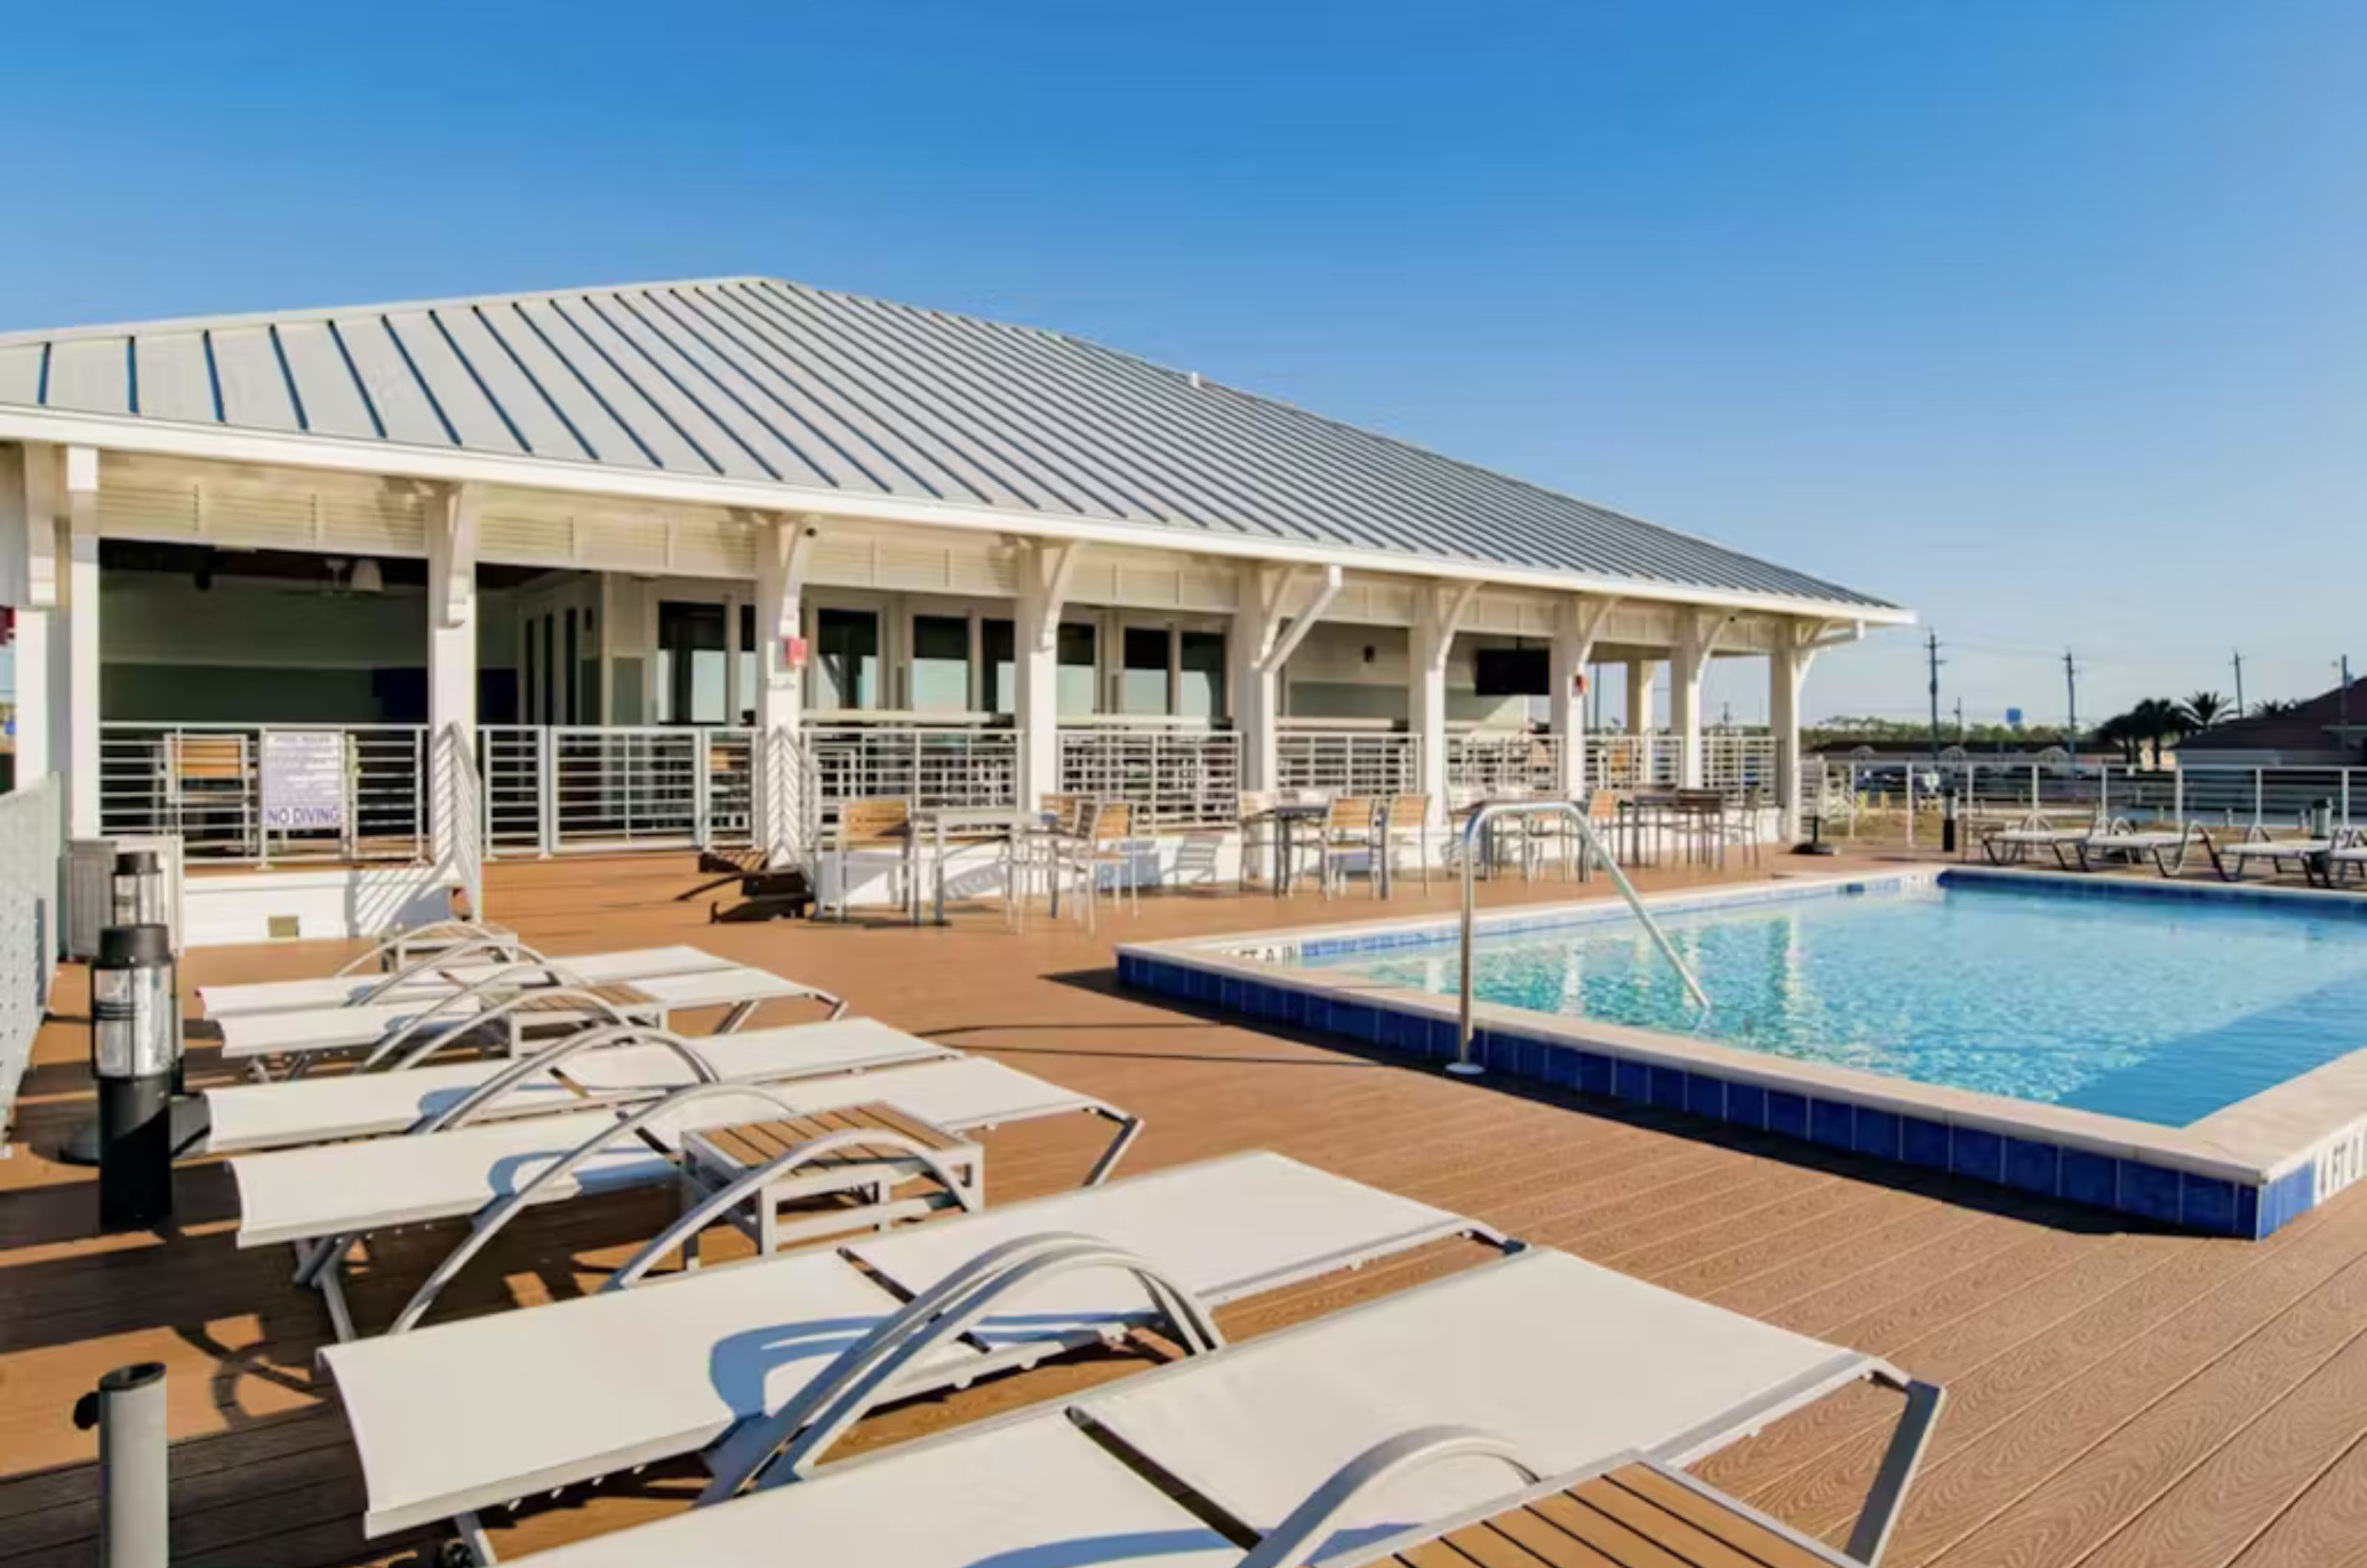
1871	1535
1294	1543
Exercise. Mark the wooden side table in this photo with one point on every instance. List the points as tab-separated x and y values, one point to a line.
843	1185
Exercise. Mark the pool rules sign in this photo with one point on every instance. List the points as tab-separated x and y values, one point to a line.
304	780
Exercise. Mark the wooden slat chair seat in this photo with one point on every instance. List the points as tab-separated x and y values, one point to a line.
1350	829
872	825
1639	1516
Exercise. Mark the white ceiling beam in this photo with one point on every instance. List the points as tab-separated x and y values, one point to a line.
126	432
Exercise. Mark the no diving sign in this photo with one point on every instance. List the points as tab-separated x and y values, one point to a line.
303	779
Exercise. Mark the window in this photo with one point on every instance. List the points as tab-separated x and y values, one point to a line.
586	700
999	651
574	694
752	665
846	659
690	663
1200	674
1079	678
941	663
549	672
1142	677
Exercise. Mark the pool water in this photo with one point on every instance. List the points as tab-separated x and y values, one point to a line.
2160	1010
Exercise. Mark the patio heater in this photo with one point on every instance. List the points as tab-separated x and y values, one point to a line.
135	1048
136	892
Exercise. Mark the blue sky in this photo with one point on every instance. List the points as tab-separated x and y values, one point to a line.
2047	320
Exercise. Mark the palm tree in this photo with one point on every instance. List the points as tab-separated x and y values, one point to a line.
2275	707
2121	731
2152	720
2204	709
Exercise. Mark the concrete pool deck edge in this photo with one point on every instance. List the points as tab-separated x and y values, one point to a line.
2245	1170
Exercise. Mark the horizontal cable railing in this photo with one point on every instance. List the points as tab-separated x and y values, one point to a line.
924	765
262	794
1174	779
552	789
1739	764
1888	794
1348	762
1504	763
1650	761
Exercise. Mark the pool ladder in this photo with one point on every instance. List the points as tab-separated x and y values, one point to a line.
1475	838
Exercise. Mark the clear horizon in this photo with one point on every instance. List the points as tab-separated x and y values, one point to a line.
2046	321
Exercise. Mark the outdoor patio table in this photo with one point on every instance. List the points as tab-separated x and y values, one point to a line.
1286	818
982	823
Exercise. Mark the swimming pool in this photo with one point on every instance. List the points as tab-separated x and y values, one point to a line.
2161	1011
2187	1053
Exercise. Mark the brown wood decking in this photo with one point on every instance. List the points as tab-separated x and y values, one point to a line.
2118	1396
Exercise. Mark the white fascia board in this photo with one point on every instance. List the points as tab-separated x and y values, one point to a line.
125	432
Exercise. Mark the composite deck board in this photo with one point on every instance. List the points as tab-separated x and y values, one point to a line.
2117	1395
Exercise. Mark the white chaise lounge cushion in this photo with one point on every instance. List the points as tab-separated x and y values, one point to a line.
346	990
361	1105
354	1028
1575	1364
1224	1228
1029	1493
469	1413
303	1194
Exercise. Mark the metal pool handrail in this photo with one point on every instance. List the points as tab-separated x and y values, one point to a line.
1473	836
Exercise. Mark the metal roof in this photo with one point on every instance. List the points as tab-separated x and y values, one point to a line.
759	380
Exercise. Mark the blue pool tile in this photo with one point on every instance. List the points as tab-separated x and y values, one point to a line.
1668	1088
1876	1133
1976	1154
1561	1066
2288	1198
1705	1096
1830	1122
1445	1037
2090	1178
1787	1113
2247	1210
1923	1142
2205	1204
1232	994
1595	1073
1746	1103
1633	1080
2149	1190
2032	1167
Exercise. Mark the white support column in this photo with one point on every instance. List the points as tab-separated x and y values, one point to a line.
1580	621
453	800
782	554
1439	611
28	585
81	597
1787	667
1697	640
1639	697
1257	682
1043	573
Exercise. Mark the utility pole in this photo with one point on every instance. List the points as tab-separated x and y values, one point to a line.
1960	721
2237	660
2342	693
1931	652
2071	703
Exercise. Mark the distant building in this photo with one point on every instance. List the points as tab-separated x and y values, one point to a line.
2327	731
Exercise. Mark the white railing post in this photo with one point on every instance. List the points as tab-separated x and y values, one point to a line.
702	786
546	791
2260	797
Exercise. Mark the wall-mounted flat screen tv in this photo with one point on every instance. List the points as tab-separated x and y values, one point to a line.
1513	673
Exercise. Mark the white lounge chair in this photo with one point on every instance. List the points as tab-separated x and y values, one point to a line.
2234	859
1345	1439
2349	853
437	975
469	1415
2014	845
2164	848
517	998
590	1067
322	1201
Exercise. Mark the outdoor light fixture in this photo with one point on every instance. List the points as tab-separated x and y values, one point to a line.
137	889
367	577
135	1047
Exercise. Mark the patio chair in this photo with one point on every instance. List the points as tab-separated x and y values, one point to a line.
1404	818
2349	853
874	828
1351	831
497	1011
440	973
472	1414
1104	842
325	1201
1363	1437
586	1068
